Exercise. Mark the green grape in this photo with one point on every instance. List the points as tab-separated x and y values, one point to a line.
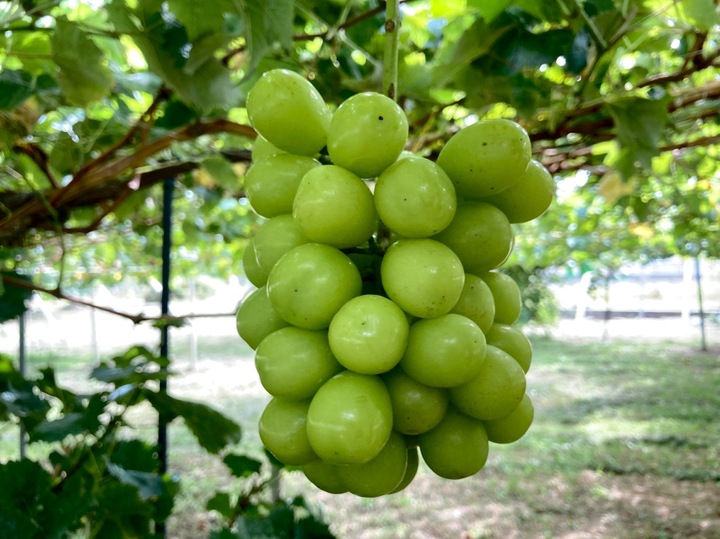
417	408
513	426
423	276
293	363
262	148
254	273
415	198
271	182
513	341
380	475
283	432
486	158
413	462
480	235
367	133
256	318
529	198
310	284
444	352
325	476
507	296
274	238
476	302
495	391
457	448
335	207
350	418
287	110
368	334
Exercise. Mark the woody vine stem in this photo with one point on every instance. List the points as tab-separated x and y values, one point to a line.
392	42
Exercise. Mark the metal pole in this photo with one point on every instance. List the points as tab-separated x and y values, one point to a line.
701	309
23	369
168	187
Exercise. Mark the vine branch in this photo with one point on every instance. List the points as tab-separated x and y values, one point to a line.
391	53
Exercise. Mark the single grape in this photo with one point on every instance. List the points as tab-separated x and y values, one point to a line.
335	207
368	334
325	476
495	391
287	110
262	148
367	133
254	273
507	296
380	475
476	302
274	238
293	362
513	426
423	276
529	198
444	352
480	235
350	418
272	182
310	284
486	158
256	319
283	432
417	408
415	198
513	341
457	448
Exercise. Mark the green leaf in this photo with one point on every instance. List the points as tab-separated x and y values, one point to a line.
448	8
221	170
83	74
149	485
490	9
212	429
15	87
221	503
71	424
242	466
700	13
266	22
13	297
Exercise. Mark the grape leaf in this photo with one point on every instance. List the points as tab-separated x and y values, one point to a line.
15	87
242	466
700	13
266	22
212	430
490	9
221	503
83	76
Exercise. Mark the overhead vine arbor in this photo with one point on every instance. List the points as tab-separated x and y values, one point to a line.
100	101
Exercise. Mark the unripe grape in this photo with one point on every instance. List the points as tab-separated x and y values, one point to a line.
335	207
413	462
325	476
529	198
513	341
253	271
310	284
444	352
283	431
287	110
424	277
486	158
495	391
367	133
507	296
256	319
262	148
274	238
382	474
417	407
480	235
415	198
272	182
456	448
476	302
513	426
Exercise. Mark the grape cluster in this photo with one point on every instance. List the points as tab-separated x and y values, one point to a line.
380	324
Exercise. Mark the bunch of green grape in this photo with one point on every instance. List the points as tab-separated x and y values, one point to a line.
381	325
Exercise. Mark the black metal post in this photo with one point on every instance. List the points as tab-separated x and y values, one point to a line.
168	188
23	371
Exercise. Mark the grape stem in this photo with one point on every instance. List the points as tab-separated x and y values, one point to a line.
392	42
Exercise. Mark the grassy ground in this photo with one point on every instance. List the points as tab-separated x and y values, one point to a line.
626	443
